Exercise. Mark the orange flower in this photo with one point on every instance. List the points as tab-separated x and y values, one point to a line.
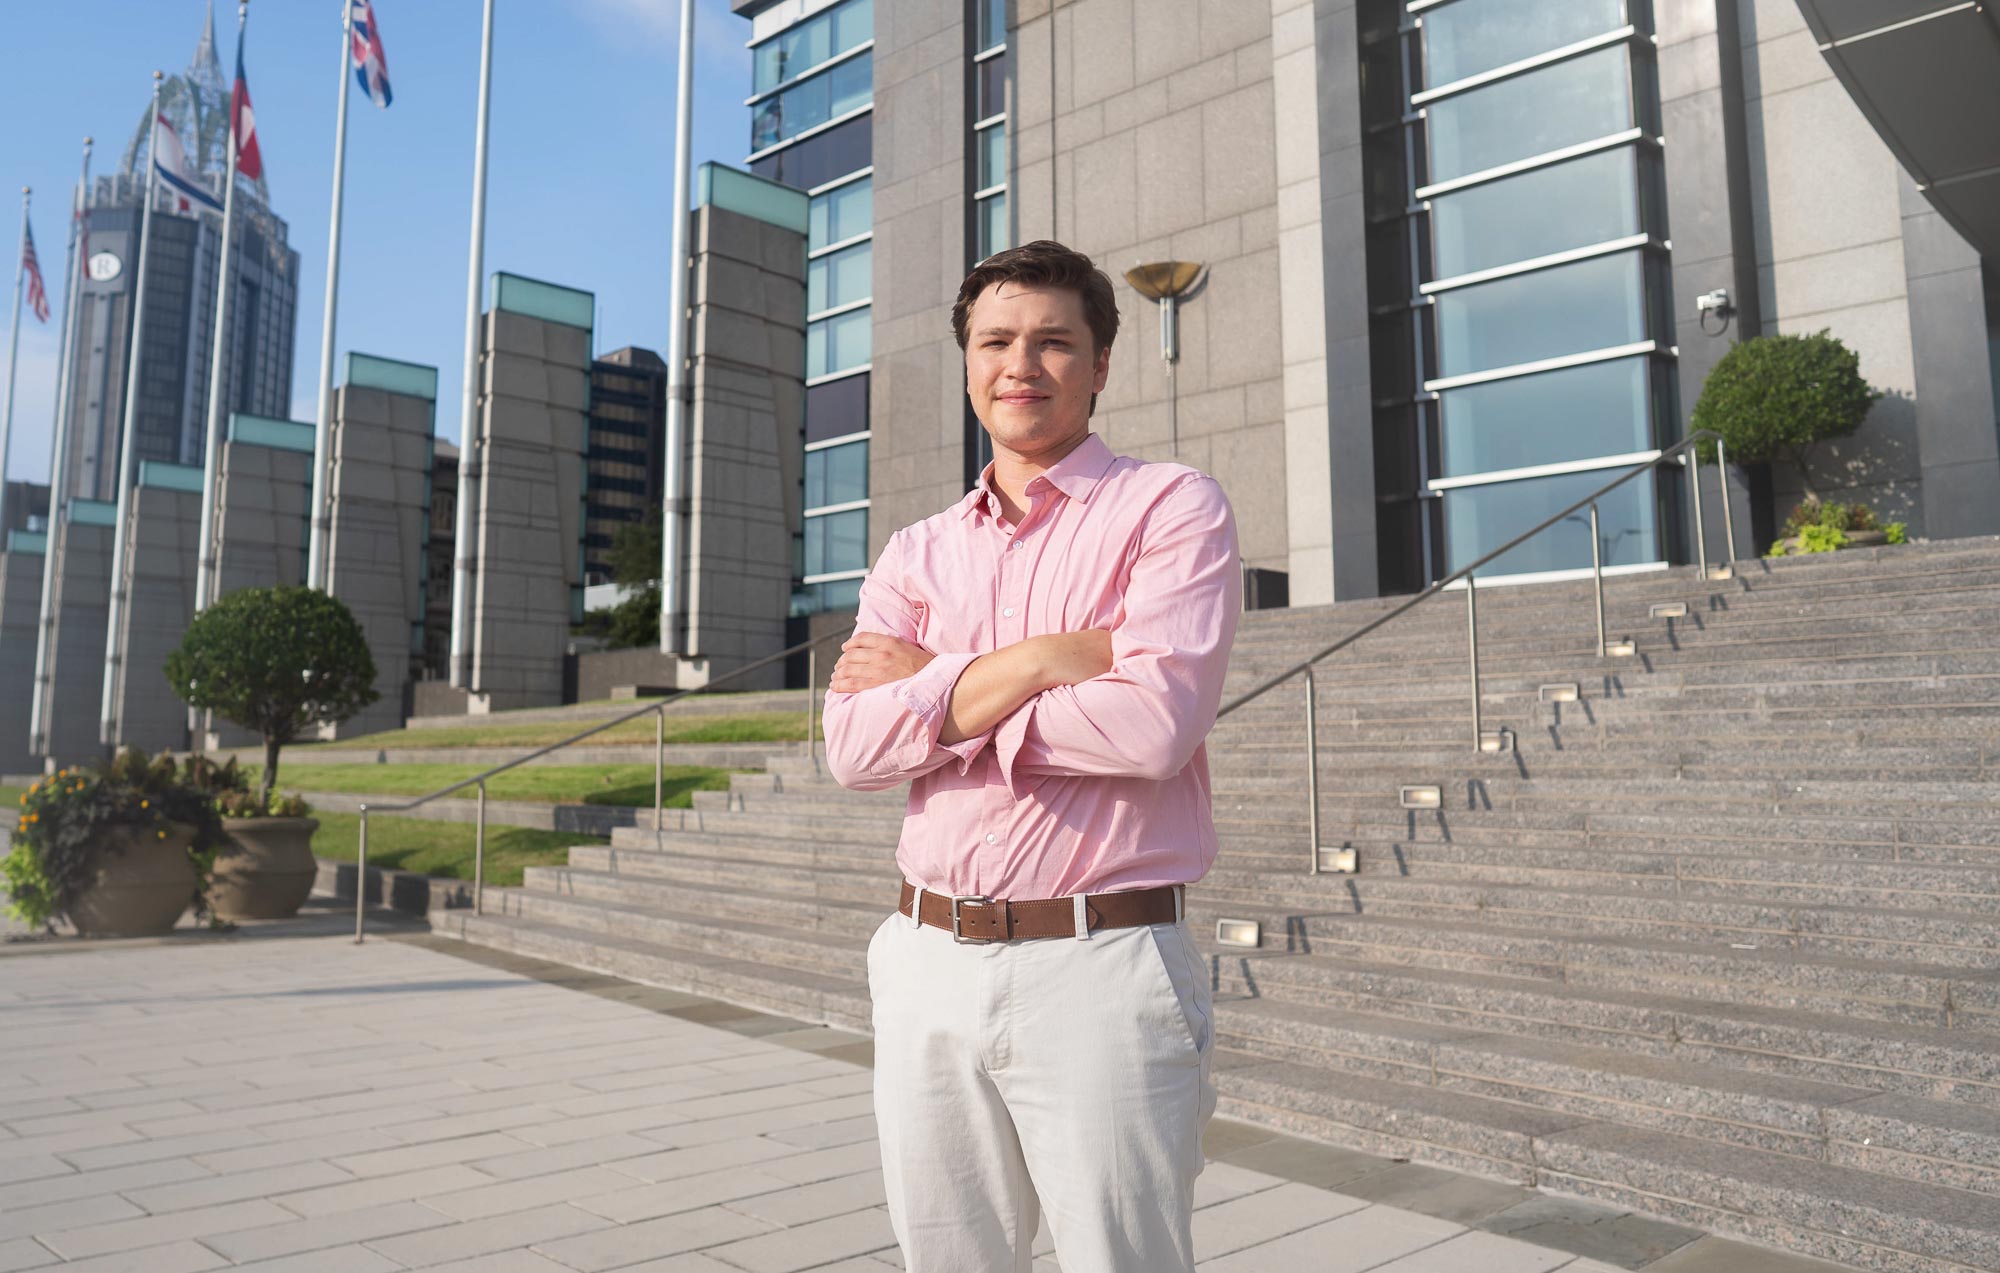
145	804
161	834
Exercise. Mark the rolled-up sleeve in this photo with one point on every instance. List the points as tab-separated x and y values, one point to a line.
1146	716
888	735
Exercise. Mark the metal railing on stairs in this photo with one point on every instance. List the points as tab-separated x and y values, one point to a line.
658	708
1685	454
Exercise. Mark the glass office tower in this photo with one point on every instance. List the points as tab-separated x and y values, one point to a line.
812	127
1520	334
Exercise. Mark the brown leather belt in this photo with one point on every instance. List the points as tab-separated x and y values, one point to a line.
988	919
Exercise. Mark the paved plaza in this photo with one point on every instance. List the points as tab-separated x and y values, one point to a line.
286	1101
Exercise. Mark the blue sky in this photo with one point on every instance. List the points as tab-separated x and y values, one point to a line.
579	175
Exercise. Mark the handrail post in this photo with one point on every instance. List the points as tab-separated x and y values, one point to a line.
1597	576
659	770
1700	539
361	878
1472	636
479	857
812	694
1312	772
1728	518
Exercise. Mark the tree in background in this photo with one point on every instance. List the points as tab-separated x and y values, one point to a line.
1778	397
275	661
635	563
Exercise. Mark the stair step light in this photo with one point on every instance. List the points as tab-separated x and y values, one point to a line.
1421	797
1339	860
1723	571
1624	648
1669	610
1496	740
1566	692
1239	932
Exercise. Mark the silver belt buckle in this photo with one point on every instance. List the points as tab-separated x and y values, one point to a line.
957	934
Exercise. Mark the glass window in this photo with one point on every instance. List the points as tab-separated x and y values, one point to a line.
841	214
837	408
992	156
827	157
837	475
835	344
839	278
993	86
1568	309
836	542
1568	205
851	84
1474	36
1557	106
812	102
992	23
1552	417
993	225
826	34
1478	519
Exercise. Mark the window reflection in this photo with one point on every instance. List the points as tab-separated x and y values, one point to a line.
839	278
1568	205
1475	36
1568	309
1574	101
837	475
1548	418
841	214
1478	519
837	542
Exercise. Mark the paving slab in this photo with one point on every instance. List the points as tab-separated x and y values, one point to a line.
414	1103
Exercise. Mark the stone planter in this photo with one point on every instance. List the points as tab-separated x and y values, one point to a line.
141	885
265	869
1855	539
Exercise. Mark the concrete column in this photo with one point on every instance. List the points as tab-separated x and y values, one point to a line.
379	490
76	661
20	611
528	528
160	556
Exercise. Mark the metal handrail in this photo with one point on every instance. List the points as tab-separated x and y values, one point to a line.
659	707
1684	453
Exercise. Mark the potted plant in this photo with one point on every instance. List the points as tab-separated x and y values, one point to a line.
119	850
1824	526
1778	398
265	868
276	661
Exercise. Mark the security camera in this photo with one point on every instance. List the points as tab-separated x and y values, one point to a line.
1715	302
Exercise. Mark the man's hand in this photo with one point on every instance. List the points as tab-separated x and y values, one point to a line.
869	659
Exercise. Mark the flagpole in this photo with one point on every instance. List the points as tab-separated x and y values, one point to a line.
470	469
322	518
13	360
128	447
673	476
56	540
218	414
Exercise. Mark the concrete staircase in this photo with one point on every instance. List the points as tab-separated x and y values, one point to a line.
1719	940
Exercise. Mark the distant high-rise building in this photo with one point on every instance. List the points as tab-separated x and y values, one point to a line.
625	459
173	381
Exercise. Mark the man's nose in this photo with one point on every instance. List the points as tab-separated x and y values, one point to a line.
1023	363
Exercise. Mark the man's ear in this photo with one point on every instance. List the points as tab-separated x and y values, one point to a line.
1103	372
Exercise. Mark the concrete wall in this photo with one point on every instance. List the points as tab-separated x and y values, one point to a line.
160	553
917	410
260	531
20	611
534	389
378	530
748	356
76	665
1146	132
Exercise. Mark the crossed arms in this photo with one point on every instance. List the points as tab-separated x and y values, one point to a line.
1132	701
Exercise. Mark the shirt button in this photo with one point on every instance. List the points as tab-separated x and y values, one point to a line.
993	839
1015	544
1008	612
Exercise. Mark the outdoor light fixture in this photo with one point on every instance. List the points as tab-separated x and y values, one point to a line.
1420	797
1239	932
1167	282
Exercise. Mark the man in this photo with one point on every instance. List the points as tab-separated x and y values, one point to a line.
1041	662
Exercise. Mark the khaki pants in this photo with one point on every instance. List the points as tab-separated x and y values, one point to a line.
1076	1070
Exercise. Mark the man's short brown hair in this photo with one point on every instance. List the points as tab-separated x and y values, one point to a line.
1043	263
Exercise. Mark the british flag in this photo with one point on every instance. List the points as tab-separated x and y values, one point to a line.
38	296
371	64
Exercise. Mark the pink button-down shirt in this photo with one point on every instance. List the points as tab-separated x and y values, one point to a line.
1089	788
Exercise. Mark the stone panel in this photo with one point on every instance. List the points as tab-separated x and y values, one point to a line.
161	550
20	611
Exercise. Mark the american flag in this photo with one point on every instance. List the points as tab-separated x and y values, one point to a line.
38	296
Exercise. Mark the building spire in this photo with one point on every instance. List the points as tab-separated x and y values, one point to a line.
205	59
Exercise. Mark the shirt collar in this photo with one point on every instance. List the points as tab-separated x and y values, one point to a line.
1076	475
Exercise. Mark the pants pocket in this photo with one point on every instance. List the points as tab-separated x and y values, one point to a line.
1171	953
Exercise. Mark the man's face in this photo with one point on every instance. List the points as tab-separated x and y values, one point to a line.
1030	369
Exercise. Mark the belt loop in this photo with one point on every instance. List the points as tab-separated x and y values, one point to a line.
917	908
1082	917
1179	904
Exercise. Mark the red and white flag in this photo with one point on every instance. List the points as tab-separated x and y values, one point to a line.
248	161
38	296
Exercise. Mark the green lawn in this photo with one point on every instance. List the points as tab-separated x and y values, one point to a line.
737	727
626	785
10	797
443	848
